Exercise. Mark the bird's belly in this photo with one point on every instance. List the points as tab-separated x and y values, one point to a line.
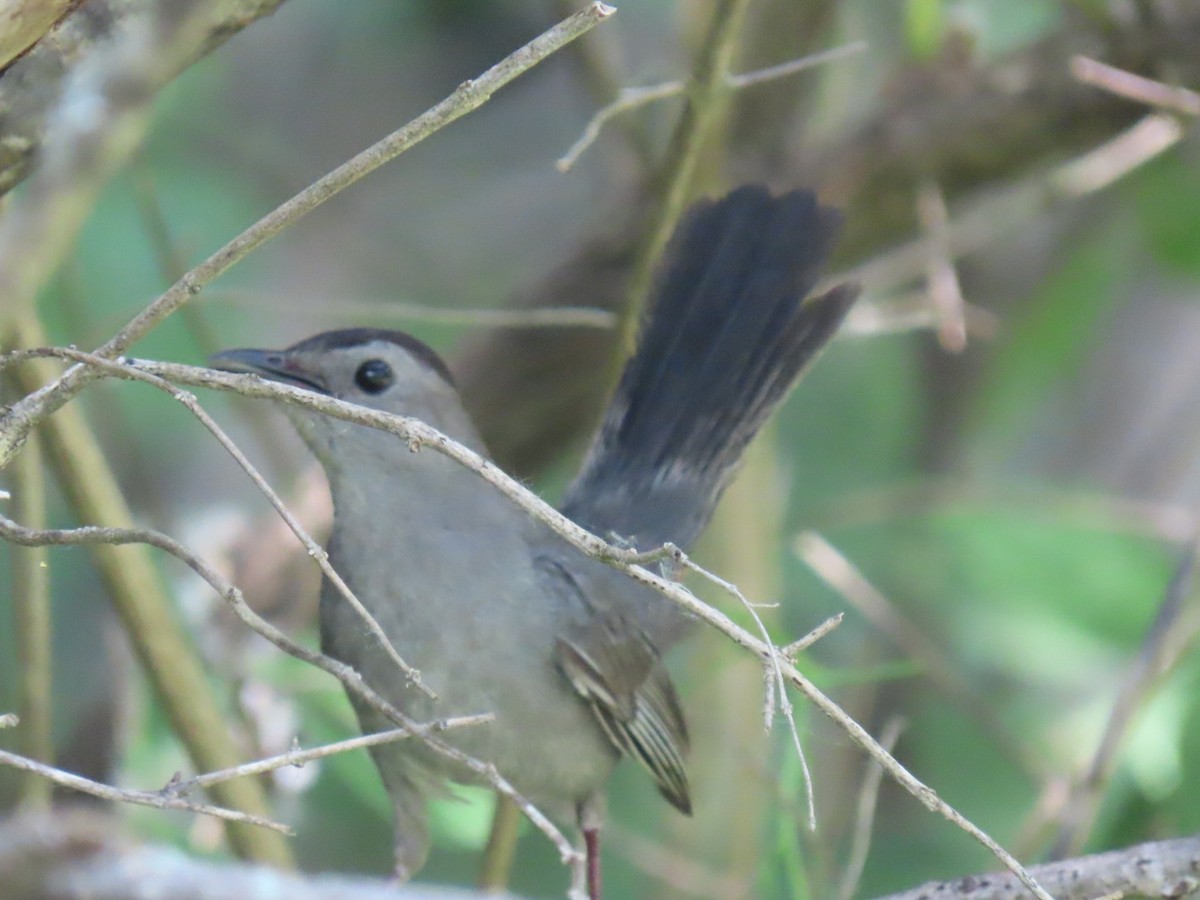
542	739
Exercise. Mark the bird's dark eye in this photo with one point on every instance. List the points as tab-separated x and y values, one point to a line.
373	376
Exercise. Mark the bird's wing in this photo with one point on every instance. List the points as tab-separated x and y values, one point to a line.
613	666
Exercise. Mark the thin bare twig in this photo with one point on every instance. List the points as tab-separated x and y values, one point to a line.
941	275
1113	160
794	649
156	799
470	95
297	757
418	434
1169	522
832	567
1135	87
631	98
776	685
905	311
350	678
1175	627
548	317
864	814
31	623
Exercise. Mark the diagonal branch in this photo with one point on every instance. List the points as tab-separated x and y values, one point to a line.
470	95
419	435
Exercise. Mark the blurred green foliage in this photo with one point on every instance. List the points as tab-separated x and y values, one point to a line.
1040	611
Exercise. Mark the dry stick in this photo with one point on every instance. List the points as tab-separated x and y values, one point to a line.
31	623
1171	523
1169	636
912	311
864	815
311	546
1116	158
632	98
601	67
1135	87
157	799
832	567
941	277
297	757
706	88
1158	869
17	422
140	599
544	317
418	435
795	648
350	678
773	674
173	795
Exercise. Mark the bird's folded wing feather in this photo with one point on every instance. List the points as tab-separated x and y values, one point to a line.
616	669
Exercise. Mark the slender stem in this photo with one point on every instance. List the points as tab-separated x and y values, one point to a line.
700	114
501	849
31	613
469	96
167	656
417	434
157	799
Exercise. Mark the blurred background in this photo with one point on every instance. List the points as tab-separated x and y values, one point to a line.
993	472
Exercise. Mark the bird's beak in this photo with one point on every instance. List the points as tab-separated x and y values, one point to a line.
277	365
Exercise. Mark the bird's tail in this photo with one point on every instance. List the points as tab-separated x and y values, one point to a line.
730	330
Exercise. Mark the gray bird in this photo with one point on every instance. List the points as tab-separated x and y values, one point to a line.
498	613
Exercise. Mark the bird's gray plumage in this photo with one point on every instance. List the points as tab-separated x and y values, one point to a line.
499	614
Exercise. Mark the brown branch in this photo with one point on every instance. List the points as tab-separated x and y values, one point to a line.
156	799
141	601
972	128
470	95
30	86
420	436
351	679
79	855
1174	630
297	758
1160	869
91	131
707	89
31	622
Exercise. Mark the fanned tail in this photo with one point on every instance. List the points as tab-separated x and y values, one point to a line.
729	332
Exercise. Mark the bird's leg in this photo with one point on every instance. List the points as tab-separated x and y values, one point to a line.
591	844
591	819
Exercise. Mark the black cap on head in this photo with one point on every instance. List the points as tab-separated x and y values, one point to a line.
354	337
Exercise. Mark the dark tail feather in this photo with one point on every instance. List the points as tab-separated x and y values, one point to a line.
728	334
